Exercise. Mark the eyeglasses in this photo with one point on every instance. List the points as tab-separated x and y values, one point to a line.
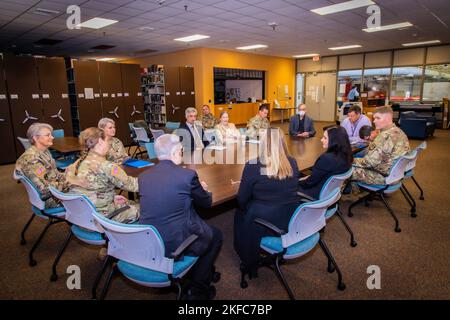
48	135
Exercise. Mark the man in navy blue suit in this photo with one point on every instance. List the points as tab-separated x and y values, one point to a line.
168	194
301	125
192	134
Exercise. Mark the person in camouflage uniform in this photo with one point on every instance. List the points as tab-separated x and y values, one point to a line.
96	177
116	152
208	120
38	165
389	145
258	122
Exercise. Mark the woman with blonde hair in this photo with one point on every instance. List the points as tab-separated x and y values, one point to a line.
226	131
116	152
268	190
97	178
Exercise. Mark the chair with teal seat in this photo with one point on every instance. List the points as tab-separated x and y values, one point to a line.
243	131
53	215
150	147
302	236
79	216
393	182
172	125
25	142
138	253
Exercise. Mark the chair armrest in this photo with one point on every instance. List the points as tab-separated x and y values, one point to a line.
116	212
186	243
305	197
270	226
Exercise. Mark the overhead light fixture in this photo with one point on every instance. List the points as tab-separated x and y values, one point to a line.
389	27
345	47
194	37
97	23
255	46
344	6
420	43
45	12
105	59
146	28
309	55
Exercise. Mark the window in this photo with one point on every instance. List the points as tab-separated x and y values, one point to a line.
437	82
346	80
377	80
406	82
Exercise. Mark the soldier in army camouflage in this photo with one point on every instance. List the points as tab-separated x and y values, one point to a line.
38	165
258	122
208	120
116	152
389	145
97	178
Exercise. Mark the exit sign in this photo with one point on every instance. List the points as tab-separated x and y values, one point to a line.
316	58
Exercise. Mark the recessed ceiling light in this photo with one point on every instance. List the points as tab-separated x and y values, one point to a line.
346	47
420	43
105	59
344	6
255	46
97	23
146	28
309	55
389	27
194	37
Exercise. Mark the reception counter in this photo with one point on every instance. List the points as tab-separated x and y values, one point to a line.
240	113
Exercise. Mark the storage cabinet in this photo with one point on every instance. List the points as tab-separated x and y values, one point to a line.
180	92
8	153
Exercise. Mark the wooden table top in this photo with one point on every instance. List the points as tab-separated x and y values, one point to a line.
66	144
223	179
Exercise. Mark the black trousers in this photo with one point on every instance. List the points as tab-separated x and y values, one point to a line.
201	272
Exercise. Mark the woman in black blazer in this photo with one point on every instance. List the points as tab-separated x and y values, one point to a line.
336	160
268	190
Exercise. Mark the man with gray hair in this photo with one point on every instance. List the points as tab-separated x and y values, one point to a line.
192	135
168	194
38	165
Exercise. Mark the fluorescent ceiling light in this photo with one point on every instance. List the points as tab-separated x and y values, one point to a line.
146	28
346	47
97	23
45	12
389	27
344	6
192	38
309	55
420	43
254	46
105	59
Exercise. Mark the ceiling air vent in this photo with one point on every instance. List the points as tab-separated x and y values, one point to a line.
103	47
47	42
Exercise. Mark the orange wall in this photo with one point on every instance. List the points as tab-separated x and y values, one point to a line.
279	71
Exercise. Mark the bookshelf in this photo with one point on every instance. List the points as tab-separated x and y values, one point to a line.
153	91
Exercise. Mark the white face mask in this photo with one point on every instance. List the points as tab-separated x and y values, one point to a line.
301	113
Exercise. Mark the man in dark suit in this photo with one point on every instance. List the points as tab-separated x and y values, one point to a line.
168	195
301	125
192	135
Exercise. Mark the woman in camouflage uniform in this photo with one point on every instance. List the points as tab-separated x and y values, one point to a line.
38	165
97	178
116	151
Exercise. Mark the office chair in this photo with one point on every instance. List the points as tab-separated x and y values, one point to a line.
172	125
137	251
53	215
410	168
302	236
141	139
79	216
25	142
393	182
150	147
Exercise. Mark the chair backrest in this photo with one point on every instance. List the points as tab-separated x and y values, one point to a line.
172	125
25	142
141	134
333	182
132	132
150	146
243	131
79	209
211	135
397	171
156	133
141	245
34	196
308	219
421	147
58	133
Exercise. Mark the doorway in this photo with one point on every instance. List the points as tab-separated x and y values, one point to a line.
320	95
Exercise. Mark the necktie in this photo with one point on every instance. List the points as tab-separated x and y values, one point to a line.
197	139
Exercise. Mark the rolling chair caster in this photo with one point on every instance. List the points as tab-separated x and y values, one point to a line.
33	263
53	277
341	286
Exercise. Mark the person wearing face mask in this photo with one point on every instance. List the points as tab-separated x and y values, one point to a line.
176	219
116	152
98	178
301	125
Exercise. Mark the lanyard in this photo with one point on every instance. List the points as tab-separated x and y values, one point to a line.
354	126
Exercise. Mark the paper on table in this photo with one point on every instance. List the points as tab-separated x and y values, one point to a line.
253	141
216	147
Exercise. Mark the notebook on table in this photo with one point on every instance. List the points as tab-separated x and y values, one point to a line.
137	163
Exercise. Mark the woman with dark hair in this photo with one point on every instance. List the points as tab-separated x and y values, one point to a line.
336	160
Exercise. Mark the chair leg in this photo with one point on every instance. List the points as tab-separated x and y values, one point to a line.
352	237
244	271
99	277
410	200
33	262
282	278
418	186
397	228
108	281
54	275
22	235
324	247
350	213
179	290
